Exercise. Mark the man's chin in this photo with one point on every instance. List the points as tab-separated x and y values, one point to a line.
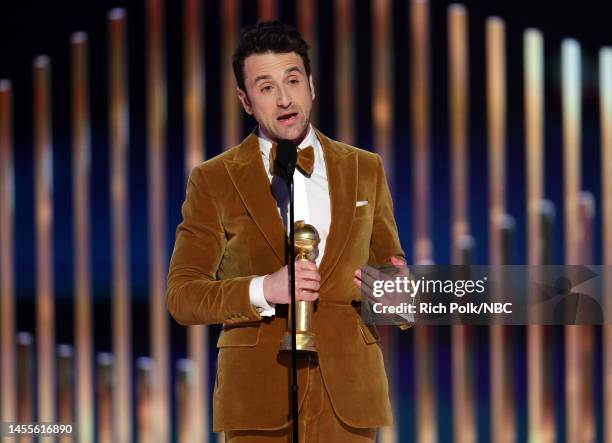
293	134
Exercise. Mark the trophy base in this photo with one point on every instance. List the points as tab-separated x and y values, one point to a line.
304	342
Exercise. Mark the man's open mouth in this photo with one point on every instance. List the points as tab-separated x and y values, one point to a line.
287	117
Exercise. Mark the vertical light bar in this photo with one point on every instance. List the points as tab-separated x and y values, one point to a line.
541	415
194	84
195	424
81	154
25	376
345	68
533	71
419	105
425	337
507	226
65	392
382	128
104	370
156	135
45	315
605	106
183	386
544	428
267	10
588	432
496	113
571	108
230	13
548	214
8	403
464	419
382	80
145	403
25	379
121	310
459	117
307	19
502	413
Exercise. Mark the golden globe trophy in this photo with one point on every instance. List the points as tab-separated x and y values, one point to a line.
306	248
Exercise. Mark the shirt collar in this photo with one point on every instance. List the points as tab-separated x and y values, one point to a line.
265	144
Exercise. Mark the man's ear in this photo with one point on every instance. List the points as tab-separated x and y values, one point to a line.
244	100
312	88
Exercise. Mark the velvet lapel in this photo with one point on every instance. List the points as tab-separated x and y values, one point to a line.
248	174
341	164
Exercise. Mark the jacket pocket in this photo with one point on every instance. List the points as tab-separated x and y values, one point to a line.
369	333
239	336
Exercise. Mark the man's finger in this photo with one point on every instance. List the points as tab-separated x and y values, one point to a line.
304	295
397	260
370	274
310	275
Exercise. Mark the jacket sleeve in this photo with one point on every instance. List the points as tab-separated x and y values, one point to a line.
385	242
194	294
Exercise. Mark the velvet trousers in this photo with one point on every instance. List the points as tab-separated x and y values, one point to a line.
318	422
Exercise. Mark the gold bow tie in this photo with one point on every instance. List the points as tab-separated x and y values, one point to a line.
305	162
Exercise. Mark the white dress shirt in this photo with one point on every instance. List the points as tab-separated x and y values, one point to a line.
311	204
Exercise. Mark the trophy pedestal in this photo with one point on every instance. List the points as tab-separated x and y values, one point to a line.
304	342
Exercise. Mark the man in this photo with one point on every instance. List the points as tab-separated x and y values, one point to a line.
229	263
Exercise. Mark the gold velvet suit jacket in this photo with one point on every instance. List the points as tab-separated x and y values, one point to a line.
231	232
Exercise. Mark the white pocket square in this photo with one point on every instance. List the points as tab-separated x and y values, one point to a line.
361	203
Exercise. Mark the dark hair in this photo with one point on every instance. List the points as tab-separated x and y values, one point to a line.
271	36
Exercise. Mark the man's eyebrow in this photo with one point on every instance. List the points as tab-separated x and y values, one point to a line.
268	77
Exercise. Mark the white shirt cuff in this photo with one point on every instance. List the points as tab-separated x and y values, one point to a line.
256	295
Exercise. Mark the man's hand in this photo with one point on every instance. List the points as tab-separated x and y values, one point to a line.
365	281
307	282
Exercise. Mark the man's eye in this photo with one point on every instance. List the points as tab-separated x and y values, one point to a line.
294	81
266	88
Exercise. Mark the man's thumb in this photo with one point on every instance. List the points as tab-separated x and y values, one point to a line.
398	261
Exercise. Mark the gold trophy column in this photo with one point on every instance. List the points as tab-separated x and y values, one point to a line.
307	249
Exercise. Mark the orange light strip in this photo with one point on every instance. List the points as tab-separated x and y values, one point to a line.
8	403
420	105
502	427
425	337
25	379
185	378
104	375
464	414
572	123
382	128
232	126
588	429
45	309
65	394
459	117
307	19
605	91
145	404
156	135
193	421
344	72
267	10
382	80
121	309
540	394
81	154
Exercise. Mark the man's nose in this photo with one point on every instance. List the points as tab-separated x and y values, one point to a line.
284	98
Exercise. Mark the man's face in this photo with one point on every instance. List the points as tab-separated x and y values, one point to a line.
278	94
